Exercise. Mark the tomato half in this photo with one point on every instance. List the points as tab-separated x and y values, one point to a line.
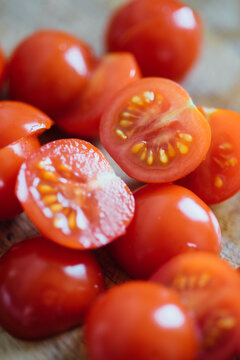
45	288
139	320
49	68
154	131
71	193
165	36
168	220
2	67
218	177
113	72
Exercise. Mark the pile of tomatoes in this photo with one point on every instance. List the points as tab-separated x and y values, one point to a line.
182	300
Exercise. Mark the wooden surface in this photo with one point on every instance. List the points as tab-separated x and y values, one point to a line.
215	81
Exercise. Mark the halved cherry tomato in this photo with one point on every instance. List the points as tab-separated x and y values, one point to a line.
45	288
11	158
49	68
71	193
2	67
218	177
165	36
113	72
18	120
139	320
168	220
154	131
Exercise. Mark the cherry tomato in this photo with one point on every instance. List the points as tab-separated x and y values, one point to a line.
112	73
168	220
45	288
2	67
139	320
218	177
71	193
18	120
49	68
165	36
154	132
11	158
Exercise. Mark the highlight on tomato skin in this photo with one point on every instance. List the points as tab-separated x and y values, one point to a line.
49	68
154	132
113	72
168	220
217	178
165	36
151	324
72	195
46	289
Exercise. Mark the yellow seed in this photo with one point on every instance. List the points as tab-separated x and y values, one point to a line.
137	147
41	165
227	323
219	162
49	199
218	182
186	137
159	98
183	149
137	100
204	280
48	175
72	220
163	156
225	146
120	133
180	282
148	96
171	151
64	167
45	189
143	155
232	161
127	114
56	207
125	123
150	158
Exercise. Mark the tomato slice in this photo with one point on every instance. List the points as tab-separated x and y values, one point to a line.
113	72
71	193
18	119
218	177
154	131
11	158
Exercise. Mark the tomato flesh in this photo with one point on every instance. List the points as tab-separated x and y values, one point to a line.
45	288
218	177
151	324
154	132
71	193
113	72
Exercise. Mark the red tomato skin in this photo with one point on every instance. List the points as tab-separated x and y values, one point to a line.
2	67
168	220
134	307
11	158
165	36
48	69
113	72
46	289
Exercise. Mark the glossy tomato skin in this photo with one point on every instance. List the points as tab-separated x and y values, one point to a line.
48	69
113	72
165	36
46	289
11	158
154	132
2	67
151	324
71	193
168	220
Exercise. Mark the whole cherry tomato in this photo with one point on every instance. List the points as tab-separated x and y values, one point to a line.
71	193
113	72
45	288
49	69
168	220
154	132
164	35
218	177
139	320
2	67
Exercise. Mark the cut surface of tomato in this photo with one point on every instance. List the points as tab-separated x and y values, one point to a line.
218	177
113	72
154	131
71	193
